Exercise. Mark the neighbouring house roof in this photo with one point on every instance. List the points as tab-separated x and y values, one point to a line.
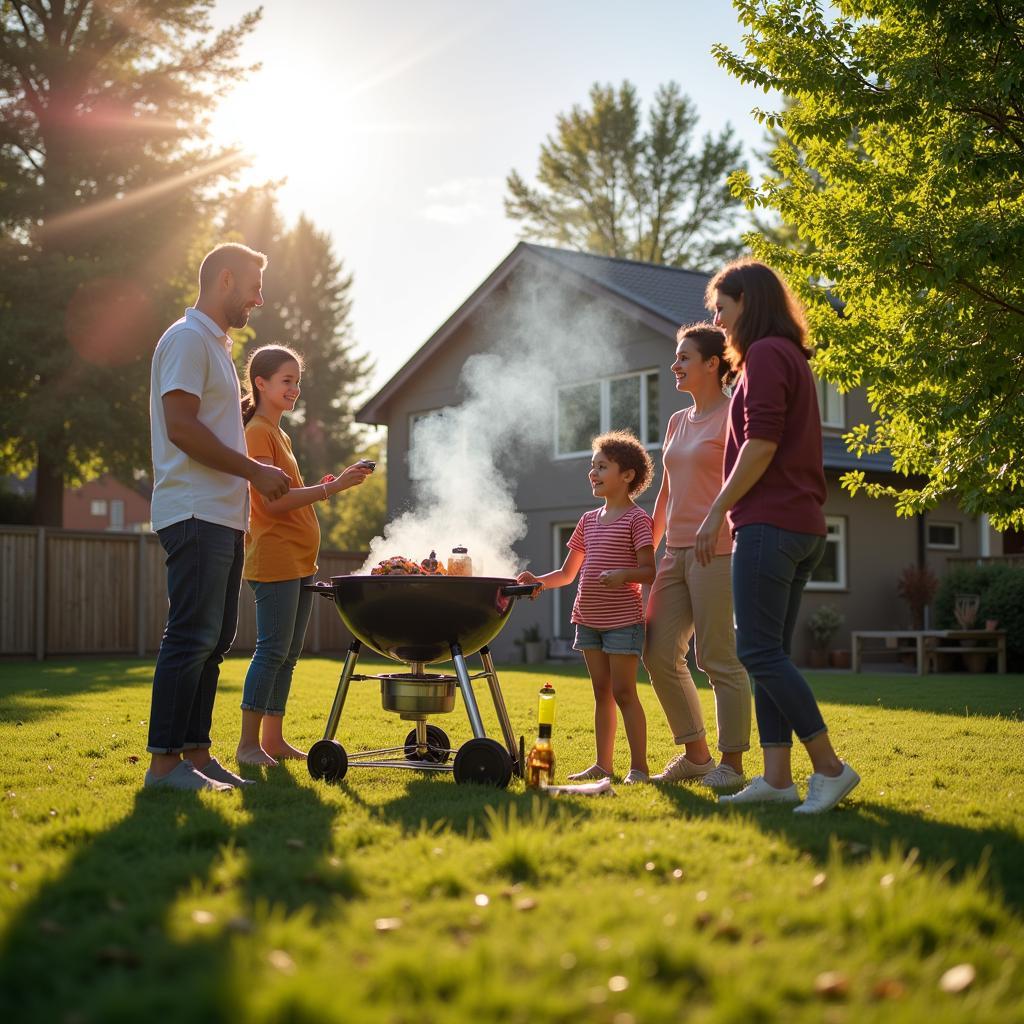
662	297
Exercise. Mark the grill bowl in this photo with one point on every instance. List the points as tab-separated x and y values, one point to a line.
418	618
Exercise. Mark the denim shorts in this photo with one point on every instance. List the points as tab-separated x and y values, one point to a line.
621	640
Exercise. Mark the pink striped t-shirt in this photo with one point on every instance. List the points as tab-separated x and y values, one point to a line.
609	546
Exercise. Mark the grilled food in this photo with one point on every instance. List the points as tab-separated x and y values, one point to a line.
399	565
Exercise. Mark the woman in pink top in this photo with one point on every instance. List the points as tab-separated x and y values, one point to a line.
690	599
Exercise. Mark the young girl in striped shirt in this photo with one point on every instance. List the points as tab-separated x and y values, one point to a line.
614	547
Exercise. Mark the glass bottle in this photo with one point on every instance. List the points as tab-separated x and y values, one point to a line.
540	763
459	563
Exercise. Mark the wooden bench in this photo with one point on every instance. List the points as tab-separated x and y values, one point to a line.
925	644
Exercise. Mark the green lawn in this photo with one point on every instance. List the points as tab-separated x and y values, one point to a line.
395	897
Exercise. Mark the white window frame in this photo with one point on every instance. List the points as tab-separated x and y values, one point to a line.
829	395
604	413
935	546
558	553
98	507
840	523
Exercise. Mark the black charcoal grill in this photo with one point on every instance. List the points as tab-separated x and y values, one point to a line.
420	621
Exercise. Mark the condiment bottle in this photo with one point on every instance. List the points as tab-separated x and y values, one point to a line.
540	763
430	562
460	564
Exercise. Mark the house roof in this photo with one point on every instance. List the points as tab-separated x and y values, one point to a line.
663	297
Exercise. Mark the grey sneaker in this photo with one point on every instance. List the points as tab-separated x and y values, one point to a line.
824	791
184	776
759	792
592	774
723	778
634	777
216	771
682	769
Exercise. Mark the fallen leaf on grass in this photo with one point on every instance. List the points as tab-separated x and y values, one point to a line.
387	924
281	961
132	758
203	917
727	931
832	985
888	988
819	881
118	956
958	979
526	903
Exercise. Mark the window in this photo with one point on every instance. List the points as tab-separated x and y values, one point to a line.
830	402
419	467
98	507
117	514
944	536
628	402
830	573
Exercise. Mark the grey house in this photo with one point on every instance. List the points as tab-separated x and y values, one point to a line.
639	306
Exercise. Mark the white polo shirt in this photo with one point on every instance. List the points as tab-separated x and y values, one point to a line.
194	355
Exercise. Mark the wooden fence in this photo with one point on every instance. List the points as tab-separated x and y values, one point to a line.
66	592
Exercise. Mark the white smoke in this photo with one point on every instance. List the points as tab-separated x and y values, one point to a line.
466	460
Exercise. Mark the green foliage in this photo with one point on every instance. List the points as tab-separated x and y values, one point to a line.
901	171
351	519
1001	588
104	172
461	903
307	305
610	185
823	623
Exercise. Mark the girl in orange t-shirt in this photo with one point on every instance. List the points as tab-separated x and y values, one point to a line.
280	553
689	598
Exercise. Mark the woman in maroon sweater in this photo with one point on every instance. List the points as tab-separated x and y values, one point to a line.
773	493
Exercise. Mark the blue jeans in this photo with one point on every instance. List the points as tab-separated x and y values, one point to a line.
770	568
204	572
282	614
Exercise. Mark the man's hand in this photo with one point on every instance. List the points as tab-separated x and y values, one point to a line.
612	578
269	481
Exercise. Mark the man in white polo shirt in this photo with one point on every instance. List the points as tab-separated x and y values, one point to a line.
200	512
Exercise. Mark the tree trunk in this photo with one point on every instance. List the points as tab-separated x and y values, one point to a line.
49	505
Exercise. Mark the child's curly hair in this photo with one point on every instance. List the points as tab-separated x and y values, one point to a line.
626	451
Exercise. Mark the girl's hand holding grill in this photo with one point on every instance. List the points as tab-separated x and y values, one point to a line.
528	577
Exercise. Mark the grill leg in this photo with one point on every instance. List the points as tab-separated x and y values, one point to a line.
466	687
421	737
343	684
499	704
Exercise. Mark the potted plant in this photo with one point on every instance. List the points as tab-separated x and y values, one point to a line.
823	624
917	586
532	645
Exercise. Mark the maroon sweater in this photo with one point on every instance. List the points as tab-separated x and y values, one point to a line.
776	400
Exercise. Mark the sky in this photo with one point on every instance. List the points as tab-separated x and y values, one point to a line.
395	122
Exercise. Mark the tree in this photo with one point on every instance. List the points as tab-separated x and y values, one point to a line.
307	305
103	172
608	186
352	519
918	229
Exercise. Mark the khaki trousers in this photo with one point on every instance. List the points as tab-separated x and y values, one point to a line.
688	599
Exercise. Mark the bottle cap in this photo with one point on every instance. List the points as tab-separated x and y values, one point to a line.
459	550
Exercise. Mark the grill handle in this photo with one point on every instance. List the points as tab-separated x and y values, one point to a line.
519	589
321	588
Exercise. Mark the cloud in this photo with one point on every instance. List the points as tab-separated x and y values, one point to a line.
461	201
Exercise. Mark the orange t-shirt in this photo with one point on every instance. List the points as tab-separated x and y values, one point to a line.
285	546
693	455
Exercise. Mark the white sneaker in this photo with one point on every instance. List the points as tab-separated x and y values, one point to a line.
757	791
634	777
825	791
592	774
723	777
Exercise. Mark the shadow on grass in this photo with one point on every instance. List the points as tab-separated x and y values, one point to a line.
107	940
864	828
45	688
